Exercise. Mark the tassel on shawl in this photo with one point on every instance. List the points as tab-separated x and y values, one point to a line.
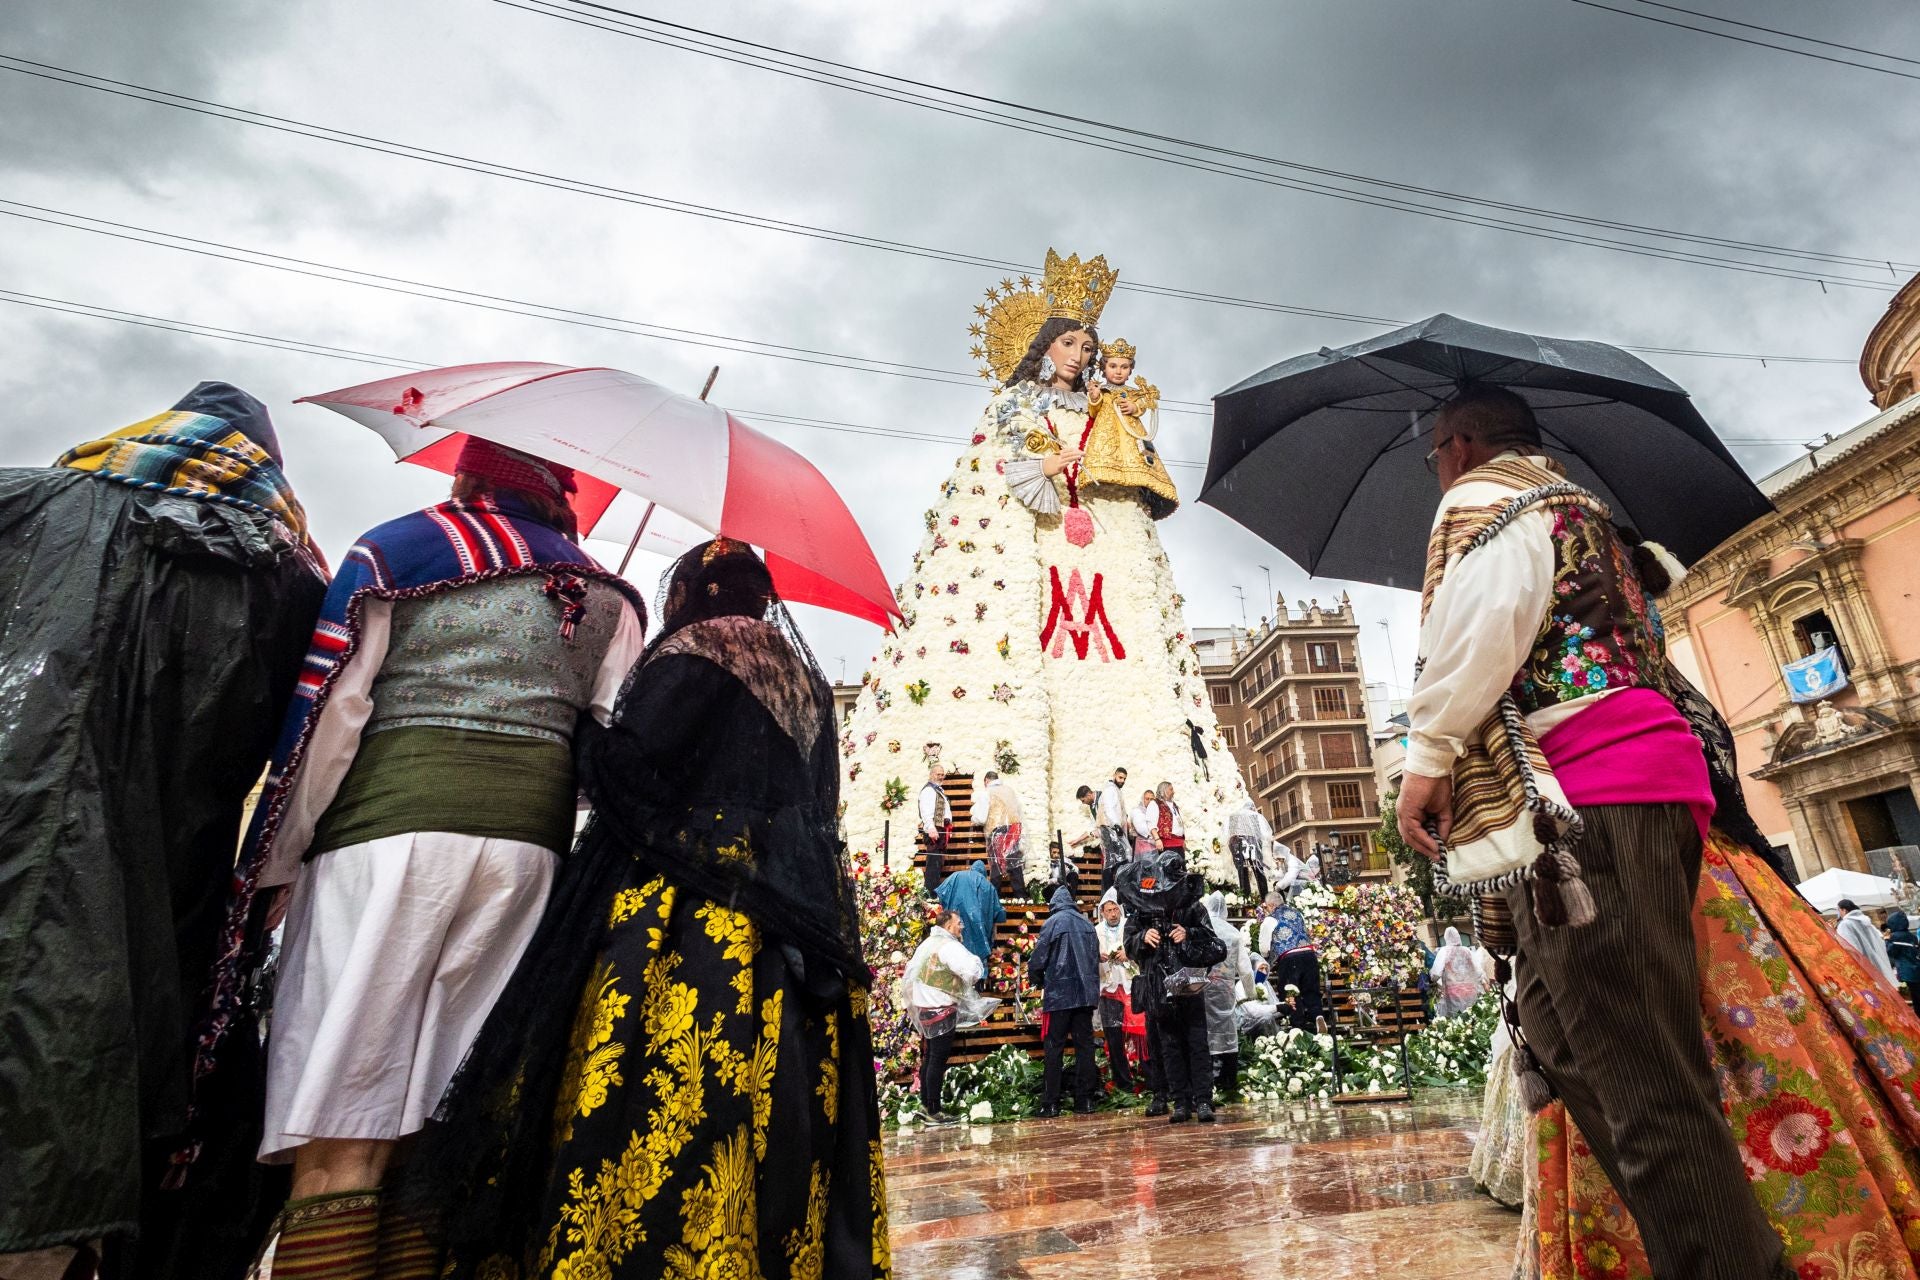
1561	898
1536	1091
571	592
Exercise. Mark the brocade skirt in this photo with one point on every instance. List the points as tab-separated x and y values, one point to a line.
715	1120
1819	1071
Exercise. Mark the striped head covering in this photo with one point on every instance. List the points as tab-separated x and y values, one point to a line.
217	445
511	469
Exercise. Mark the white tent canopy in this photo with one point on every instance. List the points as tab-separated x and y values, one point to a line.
1826	889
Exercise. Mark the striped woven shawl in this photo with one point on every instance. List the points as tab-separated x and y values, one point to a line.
1509	813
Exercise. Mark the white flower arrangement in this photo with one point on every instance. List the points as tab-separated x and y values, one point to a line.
1068	721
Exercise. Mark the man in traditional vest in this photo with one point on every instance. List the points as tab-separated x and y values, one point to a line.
419	806
1167	822
1545	600
936	825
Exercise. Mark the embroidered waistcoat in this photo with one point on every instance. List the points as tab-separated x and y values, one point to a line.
1602	632
490	656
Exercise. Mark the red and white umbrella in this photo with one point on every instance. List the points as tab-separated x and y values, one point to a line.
621	431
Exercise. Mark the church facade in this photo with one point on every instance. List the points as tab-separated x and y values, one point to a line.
1805	630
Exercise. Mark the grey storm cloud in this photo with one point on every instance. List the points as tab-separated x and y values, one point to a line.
1539	102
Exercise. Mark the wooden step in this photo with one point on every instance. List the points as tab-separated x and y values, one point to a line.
1405	1013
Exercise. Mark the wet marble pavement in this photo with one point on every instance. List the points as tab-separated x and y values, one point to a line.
1272	1191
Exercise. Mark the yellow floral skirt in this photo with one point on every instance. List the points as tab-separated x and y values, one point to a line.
716	1120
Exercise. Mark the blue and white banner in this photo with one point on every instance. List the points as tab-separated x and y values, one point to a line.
1817	677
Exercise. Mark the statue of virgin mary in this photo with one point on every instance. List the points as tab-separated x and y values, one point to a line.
1043	635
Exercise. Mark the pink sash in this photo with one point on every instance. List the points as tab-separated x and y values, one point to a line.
1632	747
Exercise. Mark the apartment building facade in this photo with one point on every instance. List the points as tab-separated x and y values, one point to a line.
1291	700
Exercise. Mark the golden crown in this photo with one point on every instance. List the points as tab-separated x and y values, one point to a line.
1118	349
1009	320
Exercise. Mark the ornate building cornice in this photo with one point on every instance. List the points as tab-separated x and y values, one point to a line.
1890	362
1811	510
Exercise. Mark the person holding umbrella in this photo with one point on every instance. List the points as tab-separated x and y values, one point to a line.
416	812
1537	622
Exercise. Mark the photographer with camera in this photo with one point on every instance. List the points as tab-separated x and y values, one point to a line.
1169	937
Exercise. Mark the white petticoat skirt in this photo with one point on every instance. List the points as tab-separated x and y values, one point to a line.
395	951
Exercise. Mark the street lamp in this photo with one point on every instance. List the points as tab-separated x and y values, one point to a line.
1339	868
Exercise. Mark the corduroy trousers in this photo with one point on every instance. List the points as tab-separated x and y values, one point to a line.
1612	1011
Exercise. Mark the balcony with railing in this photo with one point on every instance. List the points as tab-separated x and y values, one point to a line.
1261	683
1268	724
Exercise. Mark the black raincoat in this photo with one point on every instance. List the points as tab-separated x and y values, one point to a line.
148	644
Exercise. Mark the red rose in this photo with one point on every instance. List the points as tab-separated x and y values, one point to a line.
1790	1133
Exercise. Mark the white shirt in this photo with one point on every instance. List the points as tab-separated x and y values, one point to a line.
1113	807
929	810
337	732
947	951
1857	931
1176	827
1485	617
1267	927
1114	974
1146	820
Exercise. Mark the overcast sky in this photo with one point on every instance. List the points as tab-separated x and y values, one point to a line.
1538	102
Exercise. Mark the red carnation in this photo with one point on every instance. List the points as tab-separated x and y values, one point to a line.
1790	1133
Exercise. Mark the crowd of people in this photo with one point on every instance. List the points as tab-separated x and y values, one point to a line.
390	1039
1166	981
423	1028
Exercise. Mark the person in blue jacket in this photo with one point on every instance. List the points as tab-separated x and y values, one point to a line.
1904	950
971	896
1065	964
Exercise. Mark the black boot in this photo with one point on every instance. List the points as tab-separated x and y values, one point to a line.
1181	1115
1203	1113
1158	1107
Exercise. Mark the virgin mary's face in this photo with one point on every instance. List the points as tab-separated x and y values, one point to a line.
1072	353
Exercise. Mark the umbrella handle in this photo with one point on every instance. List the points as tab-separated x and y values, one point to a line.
637	535
647	515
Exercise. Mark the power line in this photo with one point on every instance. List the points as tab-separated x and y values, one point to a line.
841	75
1761	44
194	329
300	347
1772	31
296	346
358	277
468	298
505	305
367	142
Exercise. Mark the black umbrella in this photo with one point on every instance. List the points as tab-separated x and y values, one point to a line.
1324	455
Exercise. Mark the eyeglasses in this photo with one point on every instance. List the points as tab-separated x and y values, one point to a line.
1433	455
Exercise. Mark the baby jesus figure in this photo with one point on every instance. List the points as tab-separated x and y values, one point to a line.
1120	450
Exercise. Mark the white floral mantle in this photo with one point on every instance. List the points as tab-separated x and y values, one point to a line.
1022	651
